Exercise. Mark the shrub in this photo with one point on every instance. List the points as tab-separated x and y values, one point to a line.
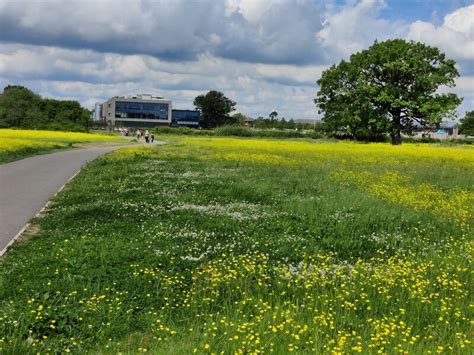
420	140
265	133
234	131
238	131
182	131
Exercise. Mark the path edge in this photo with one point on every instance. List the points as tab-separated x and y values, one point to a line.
25	227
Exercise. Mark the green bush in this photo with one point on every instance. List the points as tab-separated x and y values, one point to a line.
265	133
181	131
238	131
234	131
420	140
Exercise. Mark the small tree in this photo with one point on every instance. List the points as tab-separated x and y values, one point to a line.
238	119
215	109
388	88
19	107
273	115
466	126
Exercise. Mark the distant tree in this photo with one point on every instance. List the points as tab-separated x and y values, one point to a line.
238	119
466	126
273	115
291	124
388	88
21	107
215	109
260	122
282	124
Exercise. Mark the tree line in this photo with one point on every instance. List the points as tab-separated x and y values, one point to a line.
215	109
22	108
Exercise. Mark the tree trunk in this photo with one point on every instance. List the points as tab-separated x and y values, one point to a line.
396	128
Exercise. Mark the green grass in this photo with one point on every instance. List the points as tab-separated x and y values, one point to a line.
217	248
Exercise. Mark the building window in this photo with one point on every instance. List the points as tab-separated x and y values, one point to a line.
141	110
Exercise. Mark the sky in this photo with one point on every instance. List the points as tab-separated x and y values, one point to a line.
264	54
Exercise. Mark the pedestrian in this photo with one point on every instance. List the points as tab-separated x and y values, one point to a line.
152	137
138	135
147	136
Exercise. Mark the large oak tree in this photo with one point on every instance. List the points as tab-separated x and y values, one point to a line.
389	88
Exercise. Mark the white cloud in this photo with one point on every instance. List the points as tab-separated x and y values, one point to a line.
356	26
252	10
455	36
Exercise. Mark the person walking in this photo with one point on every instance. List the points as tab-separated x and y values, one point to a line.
147	136
138	134
152	137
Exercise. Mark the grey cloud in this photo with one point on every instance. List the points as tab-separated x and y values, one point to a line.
285	33
173	30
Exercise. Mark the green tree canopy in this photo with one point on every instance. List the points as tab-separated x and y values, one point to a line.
467	124
215	109
238	119
389	88
21	107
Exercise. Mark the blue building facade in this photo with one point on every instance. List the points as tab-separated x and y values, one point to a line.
141	110
187	118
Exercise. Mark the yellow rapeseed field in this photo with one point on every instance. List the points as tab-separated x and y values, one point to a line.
307	152
377	168
18	142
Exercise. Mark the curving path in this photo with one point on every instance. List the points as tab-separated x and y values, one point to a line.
26	186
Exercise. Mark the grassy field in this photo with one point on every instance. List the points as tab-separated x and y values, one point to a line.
214	245
18	144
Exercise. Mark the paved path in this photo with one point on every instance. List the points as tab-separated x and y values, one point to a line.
26	185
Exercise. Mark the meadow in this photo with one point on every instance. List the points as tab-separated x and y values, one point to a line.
18	144
226	245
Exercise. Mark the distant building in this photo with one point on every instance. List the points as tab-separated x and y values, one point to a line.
445	130
137	111
187	118
248	122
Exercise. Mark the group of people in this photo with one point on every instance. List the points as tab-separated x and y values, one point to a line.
149	137
124	131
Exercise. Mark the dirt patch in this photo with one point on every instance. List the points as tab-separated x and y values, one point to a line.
29	232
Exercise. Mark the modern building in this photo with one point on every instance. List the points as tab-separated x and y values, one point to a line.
137	111
145	111
187	118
